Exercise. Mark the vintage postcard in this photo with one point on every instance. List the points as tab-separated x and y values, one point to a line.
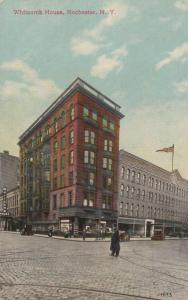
93	149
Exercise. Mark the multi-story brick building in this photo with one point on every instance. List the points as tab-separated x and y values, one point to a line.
150	196
10	209
69	161
9	171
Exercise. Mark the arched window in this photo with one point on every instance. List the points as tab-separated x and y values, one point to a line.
128	174
122	189
122	172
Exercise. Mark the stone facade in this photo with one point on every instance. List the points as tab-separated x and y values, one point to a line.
150	195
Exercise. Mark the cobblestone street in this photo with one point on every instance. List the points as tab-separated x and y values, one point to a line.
44	268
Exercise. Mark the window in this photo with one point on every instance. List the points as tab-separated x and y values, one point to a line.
89	137
86	157
55	146
70	198
142	211
143	195
89	157
105	145
92	137
86	136
54	201
132	192
91	178
110	164
108	145
156	184
122	190
47	130
122	172
63	161
71	158
152	182
55	125
92	158
111	125
72	112
144	179
63	142
109	183
127	189
94	115
89	199
107	201
138	178
131	210
128	174
85	112
107	163
133	176
126	208
71	137
137	210
63	118
104	123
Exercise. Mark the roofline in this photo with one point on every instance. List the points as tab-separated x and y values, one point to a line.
148	162
77	83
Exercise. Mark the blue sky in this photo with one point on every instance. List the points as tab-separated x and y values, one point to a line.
138	57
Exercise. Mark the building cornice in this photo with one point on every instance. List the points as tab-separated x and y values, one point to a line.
149	164
78	85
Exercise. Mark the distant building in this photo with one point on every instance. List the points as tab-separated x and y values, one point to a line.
10	209
150	196
69	161
9	171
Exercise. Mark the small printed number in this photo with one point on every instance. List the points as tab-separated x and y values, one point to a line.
166	294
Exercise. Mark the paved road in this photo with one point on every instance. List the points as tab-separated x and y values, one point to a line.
35	268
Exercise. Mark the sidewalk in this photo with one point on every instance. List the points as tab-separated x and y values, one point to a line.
98	240
106	239
89	239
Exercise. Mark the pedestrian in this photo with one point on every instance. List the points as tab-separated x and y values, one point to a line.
84	235
50	231
115	244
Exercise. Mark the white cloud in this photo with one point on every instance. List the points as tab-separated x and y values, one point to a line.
84	46
178	53
182	87
146	129
106	64
89	41
31	83
182	5
19	99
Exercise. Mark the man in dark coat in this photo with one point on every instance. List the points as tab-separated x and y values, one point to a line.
115	245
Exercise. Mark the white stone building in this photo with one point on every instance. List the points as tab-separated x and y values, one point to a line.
151	197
